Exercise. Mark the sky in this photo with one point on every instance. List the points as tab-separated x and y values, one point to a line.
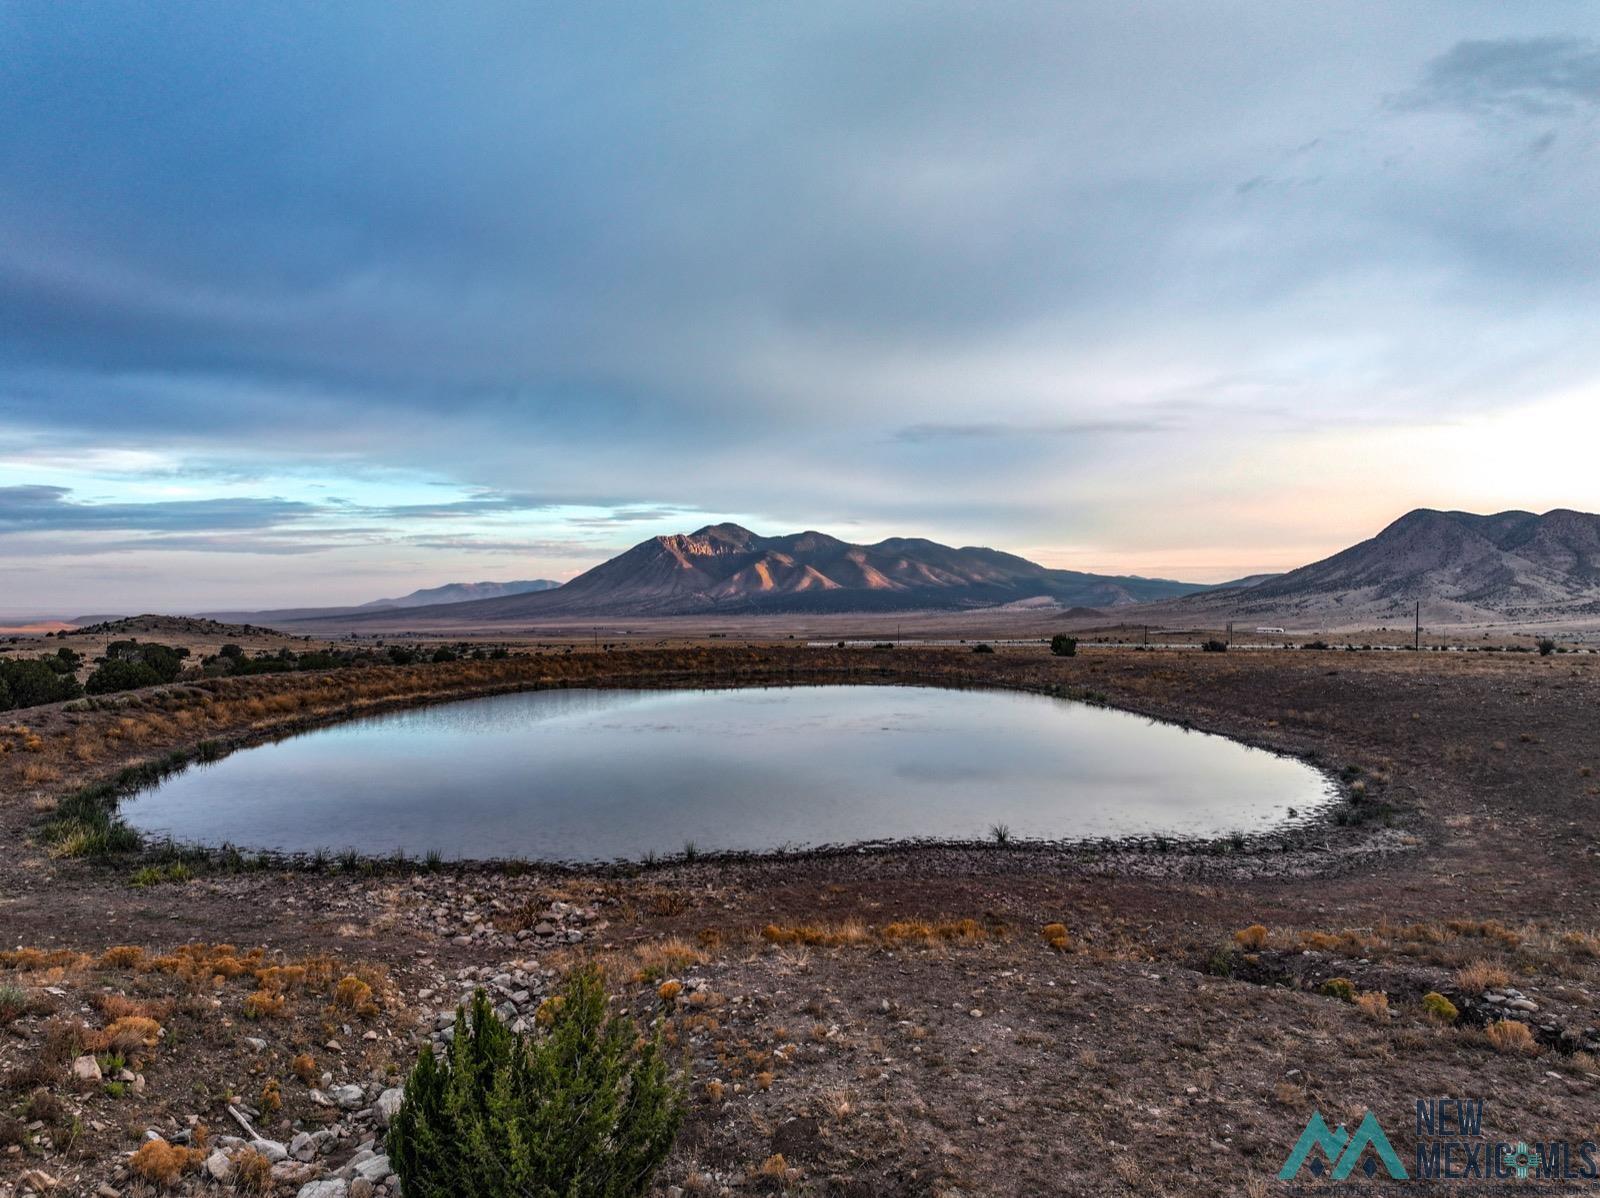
308	303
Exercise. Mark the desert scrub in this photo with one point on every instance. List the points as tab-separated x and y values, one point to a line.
1055	935
1511	1038
1251	939
1374	1004
1436	1006
1479	976
1341	988
588	1107
162	1163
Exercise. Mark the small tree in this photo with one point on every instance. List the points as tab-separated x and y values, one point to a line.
1063	645
589	1107
1546	647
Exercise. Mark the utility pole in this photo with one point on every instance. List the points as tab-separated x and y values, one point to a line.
1416	635
1230	633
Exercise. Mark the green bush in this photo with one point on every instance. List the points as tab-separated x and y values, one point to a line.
983	648
587	1108
1546	647
1064	646
1215	646
28	682
1340	988
120	675
1440	1007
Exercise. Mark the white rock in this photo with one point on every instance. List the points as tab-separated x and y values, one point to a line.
388	1105
219	1166
271	1149
303	1147
86	1069
348	1097
324	1189
375	1169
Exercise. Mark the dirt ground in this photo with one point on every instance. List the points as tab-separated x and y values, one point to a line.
980	1020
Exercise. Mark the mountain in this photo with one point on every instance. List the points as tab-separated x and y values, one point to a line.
727	569
463	592
448	594
1510	567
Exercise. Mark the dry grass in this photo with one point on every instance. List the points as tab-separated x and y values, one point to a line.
162	1163
1479	976
853	933
252	1172
1251	939
1374	1004
1511	1038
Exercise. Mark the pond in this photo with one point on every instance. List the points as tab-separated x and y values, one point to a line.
598	775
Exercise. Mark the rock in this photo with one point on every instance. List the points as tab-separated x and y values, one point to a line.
303	1147
218	1166
348	1097
324	1189
1523	1004
362	1188
85	1069
375	1169
256	1043
544	928
107	1190
271	1149
388	1105
37	1181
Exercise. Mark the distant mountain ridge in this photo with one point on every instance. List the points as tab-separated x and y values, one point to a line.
464	592
1510	567
725	568
448	594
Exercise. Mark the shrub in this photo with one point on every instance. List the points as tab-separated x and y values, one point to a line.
1374	1004
304	1066
1511	1038
1064	646
1055	935
13	1002
1478	976
252	1172
1341	988
121	956
1546	647
119	675
1252	938
589	1107
30	682
1214	646
1437	1006
353	995
983	648
163	1163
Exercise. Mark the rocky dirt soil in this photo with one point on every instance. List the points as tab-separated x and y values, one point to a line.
988	1020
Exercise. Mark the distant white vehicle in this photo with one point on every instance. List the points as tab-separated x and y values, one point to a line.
1271	630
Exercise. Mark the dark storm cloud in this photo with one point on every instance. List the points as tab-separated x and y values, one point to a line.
48	509
1519	76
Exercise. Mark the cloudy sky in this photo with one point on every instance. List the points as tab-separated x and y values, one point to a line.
305	302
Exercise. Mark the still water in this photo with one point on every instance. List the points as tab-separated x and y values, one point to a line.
595	775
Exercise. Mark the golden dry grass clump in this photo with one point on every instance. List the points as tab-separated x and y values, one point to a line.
1479	976
1251	939
162	1163
1374	1004
1511	1038
1055	935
